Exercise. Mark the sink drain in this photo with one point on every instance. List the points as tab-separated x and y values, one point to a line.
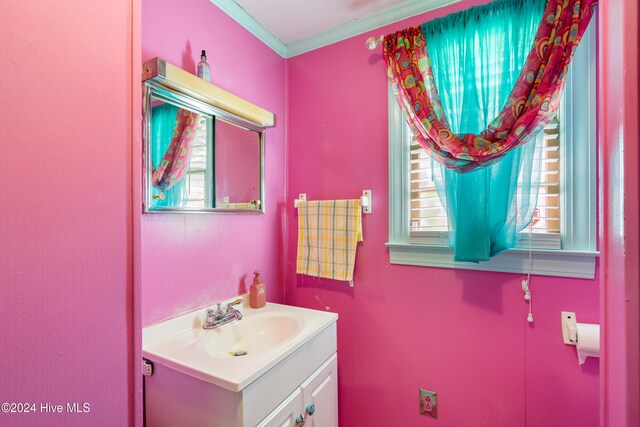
238	353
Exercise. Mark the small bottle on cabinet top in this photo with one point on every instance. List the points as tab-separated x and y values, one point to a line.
202	69
257	292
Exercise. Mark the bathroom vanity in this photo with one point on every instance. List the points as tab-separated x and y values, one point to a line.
277	366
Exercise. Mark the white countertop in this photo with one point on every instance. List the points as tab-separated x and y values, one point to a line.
182	344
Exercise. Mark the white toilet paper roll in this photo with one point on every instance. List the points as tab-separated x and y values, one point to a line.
588	341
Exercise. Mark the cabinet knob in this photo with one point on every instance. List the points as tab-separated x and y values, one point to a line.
299	421
311	409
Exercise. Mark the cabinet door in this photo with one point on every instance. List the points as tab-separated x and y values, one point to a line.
285	415
320	393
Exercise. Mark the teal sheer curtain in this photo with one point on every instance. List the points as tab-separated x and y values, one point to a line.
476	56
163	121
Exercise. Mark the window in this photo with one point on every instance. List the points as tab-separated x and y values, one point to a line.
428	220
562	235
195	189
198	173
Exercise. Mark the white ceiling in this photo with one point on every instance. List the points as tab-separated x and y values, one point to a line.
292	27
295	20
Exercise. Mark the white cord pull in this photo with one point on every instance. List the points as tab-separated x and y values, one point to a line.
527	297
525	289
525	282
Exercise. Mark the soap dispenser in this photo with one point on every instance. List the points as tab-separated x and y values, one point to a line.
257	292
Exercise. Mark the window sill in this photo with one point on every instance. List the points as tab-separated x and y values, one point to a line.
577	264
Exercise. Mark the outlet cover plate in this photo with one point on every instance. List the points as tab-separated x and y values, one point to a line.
428	405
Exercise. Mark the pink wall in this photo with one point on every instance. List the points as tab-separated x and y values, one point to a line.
189	261
620	294
65	210
461	333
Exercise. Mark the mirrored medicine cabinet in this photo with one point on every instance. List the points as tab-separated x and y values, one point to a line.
203	147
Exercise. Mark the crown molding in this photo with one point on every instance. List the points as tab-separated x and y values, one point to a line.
343	32
247	21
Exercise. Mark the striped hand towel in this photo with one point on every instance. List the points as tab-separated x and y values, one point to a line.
328	233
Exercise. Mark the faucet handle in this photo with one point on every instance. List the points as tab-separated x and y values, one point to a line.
232	303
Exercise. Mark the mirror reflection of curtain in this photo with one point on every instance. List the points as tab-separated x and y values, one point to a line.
175	162
163	122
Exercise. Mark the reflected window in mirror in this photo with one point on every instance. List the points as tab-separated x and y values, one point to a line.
192	187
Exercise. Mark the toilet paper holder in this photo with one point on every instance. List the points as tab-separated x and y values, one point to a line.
584	336
569	327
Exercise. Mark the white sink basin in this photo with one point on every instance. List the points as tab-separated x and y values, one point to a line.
252	335
233	355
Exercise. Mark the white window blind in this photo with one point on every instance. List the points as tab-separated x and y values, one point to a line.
196	187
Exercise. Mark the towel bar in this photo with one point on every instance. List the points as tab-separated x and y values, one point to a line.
365	201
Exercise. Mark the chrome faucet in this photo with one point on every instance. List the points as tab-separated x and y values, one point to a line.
218	317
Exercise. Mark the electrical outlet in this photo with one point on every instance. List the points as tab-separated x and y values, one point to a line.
428	405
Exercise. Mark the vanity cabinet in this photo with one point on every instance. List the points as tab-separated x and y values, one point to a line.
286	414
275	395
313	404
